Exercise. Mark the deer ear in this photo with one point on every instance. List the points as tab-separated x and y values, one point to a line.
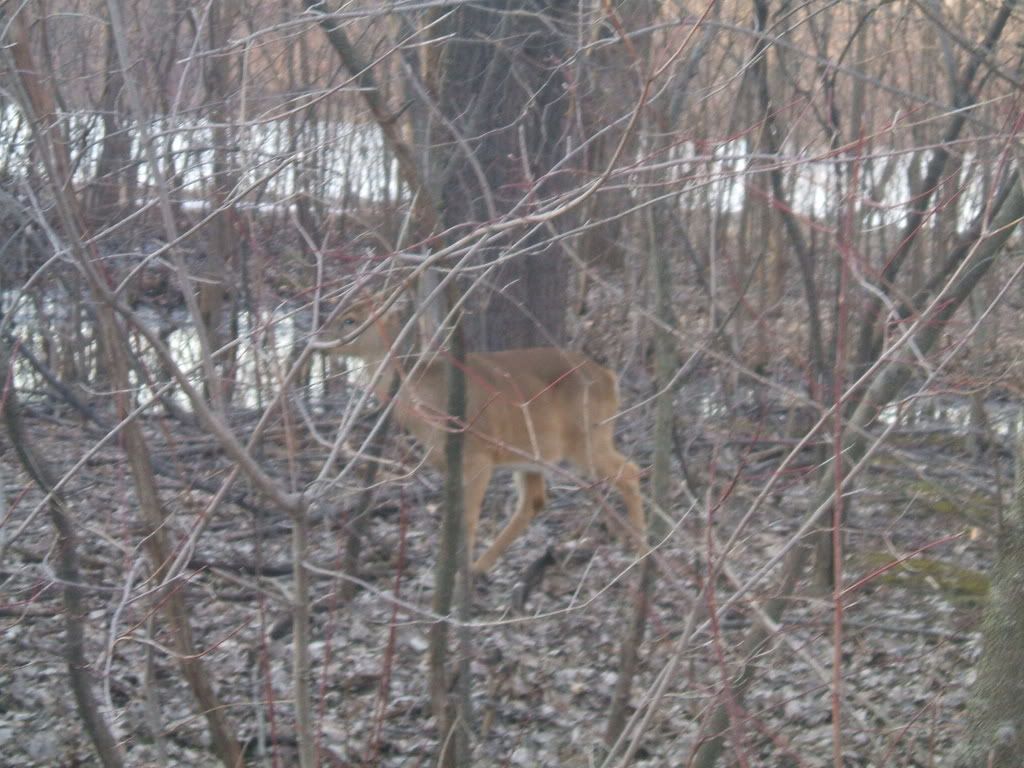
402	302
386	297
361	301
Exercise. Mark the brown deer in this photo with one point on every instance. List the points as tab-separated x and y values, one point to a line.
525	409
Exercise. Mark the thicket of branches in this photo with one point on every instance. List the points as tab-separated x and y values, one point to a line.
789	227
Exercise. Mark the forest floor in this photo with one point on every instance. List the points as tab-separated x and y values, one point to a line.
542	677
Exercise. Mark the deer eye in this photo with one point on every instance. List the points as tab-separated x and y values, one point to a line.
348	322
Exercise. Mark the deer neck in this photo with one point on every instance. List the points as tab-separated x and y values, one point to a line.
415	408
389	368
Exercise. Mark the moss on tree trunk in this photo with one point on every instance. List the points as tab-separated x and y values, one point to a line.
996	710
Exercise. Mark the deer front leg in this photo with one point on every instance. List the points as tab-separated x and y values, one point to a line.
532	496
476	476
625	476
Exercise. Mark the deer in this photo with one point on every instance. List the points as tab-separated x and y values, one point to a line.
526	409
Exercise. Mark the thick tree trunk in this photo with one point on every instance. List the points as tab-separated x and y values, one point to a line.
500	90
995	737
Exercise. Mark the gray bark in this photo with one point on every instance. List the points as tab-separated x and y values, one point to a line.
995	735
452	713
500	90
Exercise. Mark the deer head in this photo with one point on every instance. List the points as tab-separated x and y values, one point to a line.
365	330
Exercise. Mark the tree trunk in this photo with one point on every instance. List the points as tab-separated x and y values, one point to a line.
68	572
665	367
222	250
504	102
451	709
995	736
104	202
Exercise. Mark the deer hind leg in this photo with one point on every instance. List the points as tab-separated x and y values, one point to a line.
532	496
476	476
612	466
